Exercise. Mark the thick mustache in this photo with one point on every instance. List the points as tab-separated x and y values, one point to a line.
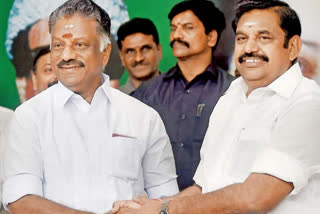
70	63
180	41
136	63
262	57
52	83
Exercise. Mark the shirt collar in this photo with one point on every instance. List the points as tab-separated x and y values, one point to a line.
64	94
176	72
287	82
283	85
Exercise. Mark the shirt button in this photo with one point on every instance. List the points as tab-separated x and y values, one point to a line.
182	117
188	91
181	144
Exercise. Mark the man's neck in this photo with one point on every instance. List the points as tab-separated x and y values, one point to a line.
193	66
137	82
89	94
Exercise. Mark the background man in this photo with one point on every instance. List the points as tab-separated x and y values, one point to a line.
263	155
186	95
77	147
42	74
39	43
140	52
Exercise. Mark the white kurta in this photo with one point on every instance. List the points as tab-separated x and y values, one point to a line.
86	156
274	131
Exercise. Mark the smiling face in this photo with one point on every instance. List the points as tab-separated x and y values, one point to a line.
140	55
75	53
259	48
188	37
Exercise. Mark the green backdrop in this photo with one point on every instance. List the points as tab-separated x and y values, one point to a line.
157	11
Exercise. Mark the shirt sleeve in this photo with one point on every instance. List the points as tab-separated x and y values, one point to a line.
22	164
292	154
158	163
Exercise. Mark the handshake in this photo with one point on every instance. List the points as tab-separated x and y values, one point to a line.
141	205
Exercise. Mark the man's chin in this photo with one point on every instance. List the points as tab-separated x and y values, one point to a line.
144	76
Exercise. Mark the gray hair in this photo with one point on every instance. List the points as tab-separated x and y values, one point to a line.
88	9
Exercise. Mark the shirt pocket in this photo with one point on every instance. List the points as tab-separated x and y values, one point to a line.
126	158
250	144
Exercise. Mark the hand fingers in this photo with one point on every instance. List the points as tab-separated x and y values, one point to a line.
124	204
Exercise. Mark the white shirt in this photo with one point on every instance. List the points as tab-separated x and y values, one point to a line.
274	131
5	116
86	156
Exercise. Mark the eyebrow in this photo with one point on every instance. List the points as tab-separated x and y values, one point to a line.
264	32
259	32
187	23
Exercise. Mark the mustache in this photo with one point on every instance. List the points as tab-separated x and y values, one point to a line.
52	83
136	63
179	41
70	62
262	57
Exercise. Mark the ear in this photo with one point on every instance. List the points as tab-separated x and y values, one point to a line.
159	51
121	57
106	54
212	38
294	46
34	81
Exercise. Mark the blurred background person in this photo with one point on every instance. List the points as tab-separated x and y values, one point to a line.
140	52
39	43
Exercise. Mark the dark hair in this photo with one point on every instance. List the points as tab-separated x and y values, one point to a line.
289	20
137	25
210	16
37	53
86	8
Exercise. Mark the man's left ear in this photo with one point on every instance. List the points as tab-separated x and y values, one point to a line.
106	54
159	51
294	47
212	38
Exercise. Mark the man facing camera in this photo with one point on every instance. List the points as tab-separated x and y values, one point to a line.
263	155
77	147
140	52
186	95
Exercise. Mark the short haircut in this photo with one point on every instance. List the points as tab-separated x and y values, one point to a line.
289	20
206	11
137	25
85	8
37	53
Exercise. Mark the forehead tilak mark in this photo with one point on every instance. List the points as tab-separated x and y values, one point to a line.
67	35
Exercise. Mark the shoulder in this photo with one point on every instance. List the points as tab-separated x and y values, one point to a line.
37	105
149	87
225	75
128	104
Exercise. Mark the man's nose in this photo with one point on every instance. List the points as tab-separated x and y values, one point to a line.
251	46
68	53
139	57
177	33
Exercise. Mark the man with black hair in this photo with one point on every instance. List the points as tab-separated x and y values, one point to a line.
186	95
261	150
140	52
42	74
80	145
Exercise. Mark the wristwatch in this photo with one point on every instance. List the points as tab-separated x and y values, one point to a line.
164	207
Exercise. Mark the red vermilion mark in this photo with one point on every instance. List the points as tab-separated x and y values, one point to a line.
67	35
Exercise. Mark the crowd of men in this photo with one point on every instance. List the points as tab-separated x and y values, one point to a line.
191	140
